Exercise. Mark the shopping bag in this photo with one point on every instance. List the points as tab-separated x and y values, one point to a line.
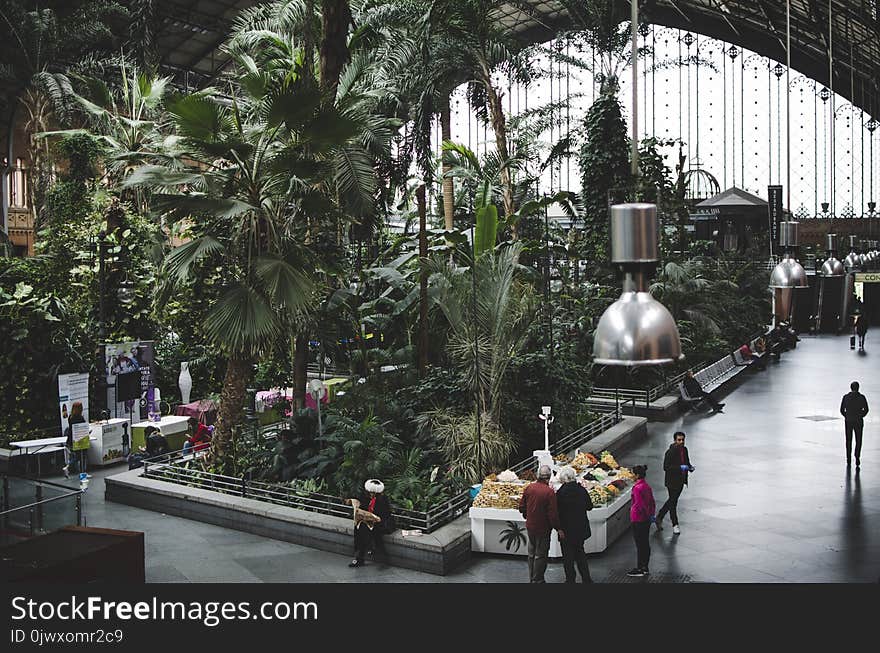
852	342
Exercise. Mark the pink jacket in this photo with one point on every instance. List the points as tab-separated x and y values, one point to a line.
643	507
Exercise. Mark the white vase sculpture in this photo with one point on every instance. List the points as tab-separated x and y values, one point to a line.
185	382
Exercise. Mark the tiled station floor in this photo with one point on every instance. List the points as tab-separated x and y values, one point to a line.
771	499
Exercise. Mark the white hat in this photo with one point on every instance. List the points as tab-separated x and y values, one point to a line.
374	485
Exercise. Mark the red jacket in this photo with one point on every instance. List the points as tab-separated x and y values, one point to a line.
538	506
643	507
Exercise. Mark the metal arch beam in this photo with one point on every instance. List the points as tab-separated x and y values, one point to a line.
806	57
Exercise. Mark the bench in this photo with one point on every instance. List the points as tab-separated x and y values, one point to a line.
711	377
756	359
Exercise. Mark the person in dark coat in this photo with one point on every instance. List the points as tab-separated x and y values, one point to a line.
694	389
854	407
368	537
861	330
573	501
676	466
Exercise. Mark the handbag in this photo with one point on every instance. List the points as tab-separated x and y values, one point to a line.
852	342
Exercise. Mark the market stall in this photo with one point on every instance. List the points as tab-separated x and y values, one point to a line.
498	527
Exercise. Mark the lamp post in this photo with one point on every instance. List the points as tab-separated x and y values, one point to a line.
477	410
101	378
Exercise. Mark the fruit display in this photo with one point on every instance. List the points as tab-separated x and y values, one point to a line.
608	459
625	474
602	477
497	494
600	495
583	460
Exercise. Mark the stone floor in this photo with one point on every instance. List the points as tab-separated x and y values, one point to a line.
771	499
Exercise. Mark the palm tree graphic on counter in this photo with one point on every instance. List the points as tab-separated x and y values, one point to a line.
513	537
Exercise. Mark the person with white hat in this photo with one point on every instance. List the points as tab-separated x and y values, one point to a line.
368	531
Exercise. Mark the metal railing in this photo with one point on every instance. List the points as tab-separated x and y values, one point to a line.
173	468
30	519
183	469
640	395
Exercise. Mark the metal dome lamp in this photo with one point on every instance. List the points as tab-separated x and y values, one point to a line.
852	259
636	329
831	267
788	273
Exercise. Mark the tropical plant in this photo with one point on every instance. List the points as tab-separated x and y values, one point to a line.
36	40
469	454
251	175
125	118
482	47
488	316
604	166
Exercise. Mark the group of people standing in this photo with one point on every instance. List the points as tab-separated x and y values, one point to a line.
565	511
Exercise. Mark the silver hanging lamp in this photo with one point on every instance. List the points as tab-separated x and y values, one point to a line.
831	267
636	329
788	273
852	259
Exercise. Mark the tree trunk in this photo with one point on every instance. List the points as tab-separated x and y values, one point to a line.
448	186
423	280
335	19
300	370
499	126
232	398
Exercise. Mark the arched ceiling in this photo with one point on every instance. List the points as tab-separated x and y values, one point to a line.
190	33
757	25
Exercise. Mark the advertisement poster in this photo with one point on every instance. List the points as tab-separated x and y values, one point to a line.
72	388
81	436
109	446
121	360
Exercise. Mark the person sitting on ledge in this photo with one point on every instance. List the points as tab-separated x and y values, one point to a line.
368	530
199	440
694	389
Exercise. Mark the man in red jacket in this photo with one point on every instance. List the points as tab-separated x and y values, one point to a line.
538	506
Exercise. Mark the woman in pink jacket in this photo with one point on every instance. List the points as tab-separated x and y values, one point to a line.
641	514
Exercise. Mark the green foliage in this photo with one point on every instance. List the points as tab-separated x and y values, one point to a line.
604	166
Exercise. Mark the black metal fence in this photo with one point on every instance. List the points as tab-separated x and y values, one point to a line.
189	469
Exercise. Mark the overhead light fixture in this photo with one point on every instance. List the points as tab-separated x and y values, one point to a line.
852	259
832	267
636	329
788	273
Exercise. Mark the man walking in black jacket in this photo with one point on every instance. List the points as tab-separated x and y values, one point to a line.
676	465
854	407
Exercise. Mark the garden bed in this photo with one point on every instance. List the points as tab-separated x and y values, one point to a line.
177	486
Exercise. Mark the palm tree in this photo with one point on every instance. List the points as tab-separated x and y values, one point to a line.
126	119
479	45
251	174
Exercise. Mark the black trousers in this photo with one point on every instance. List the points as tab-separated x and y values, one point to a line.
573	554
640	531
708	397
857	428
671	505
368	539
